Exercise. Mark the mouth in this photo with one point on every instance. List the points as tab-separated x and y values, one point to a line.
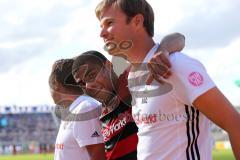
101	94
95	93
121	54
107	40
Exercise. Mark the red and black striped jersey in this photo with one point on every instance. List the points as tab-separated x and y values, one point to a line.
118	128
120	133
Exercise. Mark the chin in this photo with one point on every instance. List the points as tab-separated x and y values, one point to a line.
119	54
113	52
103	97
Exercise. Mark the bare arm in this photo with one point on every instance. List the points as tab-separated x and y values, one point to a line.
219	110
159	64
173	42
96	151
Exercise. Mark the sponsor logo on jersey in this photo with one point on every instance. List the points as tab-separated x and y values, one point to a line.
146	118
95	134
120	122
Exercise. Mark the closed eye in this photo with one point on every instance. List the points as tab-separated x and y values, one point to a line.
109	23
91	76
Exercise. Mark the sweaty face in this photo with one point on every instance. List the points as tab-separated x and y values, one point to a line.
116	32
97	81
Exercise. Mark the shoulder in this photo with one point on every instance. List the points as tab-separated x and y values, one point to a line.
182	62
84	104
189	76
180	58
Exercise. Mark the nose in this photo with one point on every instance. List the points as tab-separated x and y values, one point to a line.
103	33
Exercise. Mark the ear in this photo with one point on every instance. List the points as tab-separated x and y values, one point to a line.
138	20
77	76
108	64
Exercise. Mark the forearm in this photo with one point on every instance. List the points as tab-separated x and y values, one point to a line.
173	42
230	124
96	151
219	110
233	130
235	143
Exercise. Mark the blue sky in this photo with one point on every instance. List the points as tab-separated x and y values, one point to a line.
36	33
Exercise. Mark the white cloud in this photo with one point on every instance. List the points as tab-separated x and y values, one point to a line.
36	33
206	24
26	84
14	44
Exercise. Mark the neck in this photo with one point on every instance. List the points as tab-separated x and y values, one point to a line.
111	104
107	101
140	50
70	100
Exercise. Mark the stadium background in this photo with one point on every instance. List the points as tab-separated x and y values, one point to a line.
29	132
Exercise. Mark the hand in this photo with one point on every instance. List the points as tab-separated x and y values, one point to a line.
159	67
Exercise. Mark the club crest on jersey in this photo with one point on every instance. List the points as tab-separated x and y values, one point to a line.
196	79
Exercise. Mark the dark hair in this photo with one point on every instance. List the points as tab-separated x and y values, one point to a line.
130	8
62	73
93	56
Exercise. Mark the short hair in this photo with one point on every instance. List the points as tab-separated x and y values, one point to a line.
130	8
89	56
62	73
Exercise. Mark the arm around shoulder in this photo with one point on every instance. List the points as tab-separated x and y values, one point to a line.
173	42
96	151
159	64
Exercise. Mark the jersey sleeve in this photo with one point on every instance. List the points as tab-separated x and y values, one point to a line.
191	76
87	131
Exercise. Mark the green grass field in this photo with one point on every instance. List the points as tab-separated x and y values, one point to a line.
223	155
28	157
217	155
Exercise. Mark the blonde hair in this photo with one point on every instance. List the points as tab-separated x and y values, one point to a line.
130	8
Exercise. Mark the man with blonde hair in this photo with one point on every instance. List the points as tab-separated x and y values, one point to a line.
188	99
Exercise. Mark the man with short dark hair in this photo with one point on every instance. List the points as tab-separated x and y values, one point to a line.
94	72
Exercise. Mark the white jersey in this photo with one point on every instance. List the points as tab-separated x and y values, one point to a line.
170	127
84	129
